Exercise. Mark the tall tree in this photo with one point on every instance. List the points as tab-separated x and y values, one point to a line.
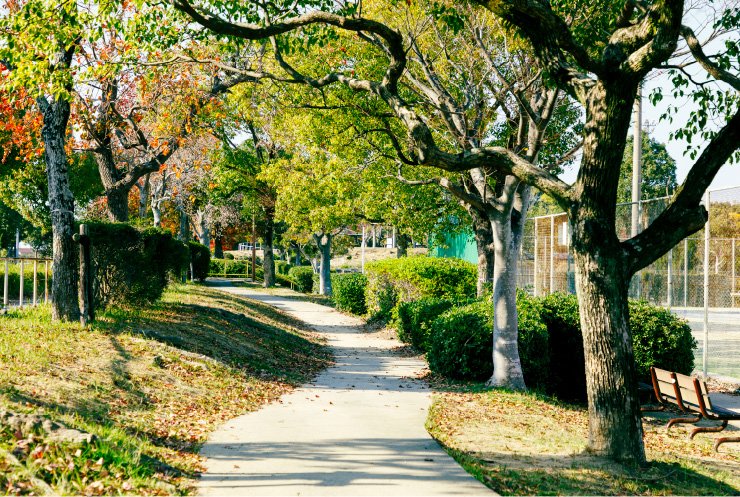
599	60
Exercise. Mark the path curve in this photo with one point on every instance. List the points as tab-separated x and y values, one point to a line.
357	429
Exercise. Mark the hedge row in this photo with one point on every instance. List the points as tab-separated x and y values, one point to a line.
458	339
234	267
132	267
392	281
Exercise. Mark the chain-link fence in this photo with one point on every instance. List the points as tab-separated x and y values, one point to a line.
698	279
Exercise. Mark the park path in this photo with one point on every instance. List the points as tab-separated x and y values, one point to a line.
357	429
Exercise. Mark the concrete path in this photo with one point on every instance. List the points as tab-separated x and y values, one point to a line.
358	429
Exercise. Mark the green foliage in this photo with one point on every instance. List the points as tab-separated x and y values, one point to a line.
560	316
658	338
200	259
461	340
132	267
391	281
302	277
282	267
661	339
349	292
658	171
414	319
533	341
460	343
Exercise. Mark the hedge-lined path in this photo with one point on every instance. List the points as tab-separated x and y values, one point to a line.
358	429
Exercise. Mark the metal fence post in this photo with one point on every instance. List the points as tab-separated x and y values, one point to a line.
670	278
705	353
46	282
6	296
685	272
35	281
552	254
536	258
20	290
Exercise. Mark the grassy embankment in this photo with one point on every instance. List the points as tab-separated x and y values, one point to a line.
150	385
525	444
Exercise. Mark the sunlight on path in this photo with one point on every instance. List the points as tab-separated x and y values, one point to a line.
358	429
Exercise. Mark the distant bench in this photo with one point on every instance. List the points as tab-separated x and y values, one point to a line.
691	396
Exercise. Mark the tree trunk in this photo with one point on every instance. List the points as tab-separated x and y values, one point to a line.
268	257
116	195
65	305
483	234
203	229
602	279
323	241
404	241
507	368
184	234
118	205
218	247
615	427
143	196
157	214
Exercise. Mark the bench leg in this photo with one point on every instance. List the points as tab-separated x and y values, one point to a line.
708	429
682	420
722	440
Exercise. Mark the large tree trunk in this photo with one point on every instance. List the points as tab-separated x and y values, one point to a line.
157	214
402	245
143	196
115	194
218	247
615	427
118	205
268	257
602	279
184	234
202	228
507	367
323	242
483	234
65	305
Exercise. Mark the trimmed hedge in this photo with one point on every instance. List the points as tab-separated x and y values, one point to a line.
200	260
133	267
302	277
349	292
282	267
461	340
391	281
414	319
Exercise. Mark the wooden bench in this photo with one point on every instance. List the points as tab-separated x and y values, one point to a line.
691	396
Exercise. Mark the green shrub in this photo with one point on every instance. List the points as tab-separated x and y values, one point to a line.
282	267
533	342
414	319
315	283
132	267
229	256
460	342
302	278
659	338
567	377
200	259
391	281
349	292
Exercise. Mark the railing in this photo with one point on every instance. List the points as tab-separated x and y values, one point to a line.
19	268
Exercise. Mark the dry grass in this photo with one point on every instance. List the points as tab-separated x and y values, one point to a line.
150	384
524	444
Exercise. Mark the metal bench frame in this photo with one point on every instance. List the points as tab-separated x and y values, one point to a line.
691	396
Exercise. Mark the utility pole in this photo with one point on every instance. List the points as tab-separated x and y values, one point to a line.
637	172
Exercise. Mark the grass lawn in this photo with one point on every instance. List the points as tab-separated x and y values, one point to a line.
525	444
149	384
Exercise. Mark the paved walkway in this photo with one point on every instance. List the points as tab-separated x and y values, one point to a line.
358	429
